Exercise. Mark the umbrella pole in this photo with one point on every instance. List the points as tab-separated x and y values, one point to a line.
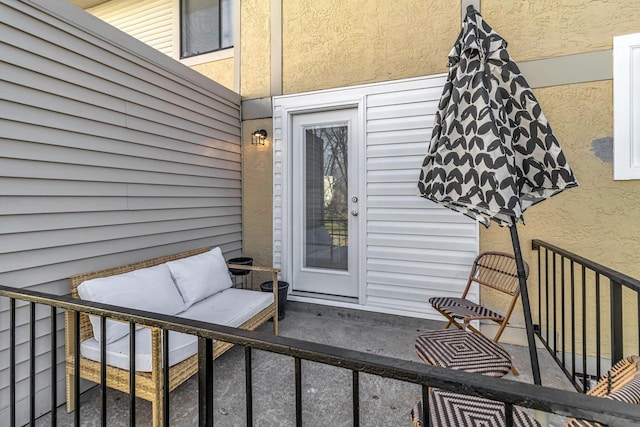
524	294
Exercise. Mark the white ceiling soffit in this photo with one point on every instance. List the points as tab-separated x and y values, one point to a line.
86	4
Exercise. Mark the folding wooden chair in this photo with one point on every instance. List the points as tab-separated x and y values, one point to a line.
495	270
621	383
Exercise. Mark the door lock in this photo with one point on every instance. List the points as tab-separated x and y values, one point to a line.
354	199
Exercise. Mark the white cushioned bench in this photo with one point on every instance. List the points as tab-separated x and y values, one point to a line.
192	285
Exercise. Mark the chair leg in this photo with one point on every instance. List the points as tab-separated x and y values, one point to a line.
156	410
514	370
71	392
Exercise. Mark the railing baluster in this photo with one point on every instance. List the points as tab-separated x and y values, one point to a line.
12	361
426	408
573	323
54	366
617	332
508	415
32	363
165	377
298	392
598	328
76	367
103	371
356	399
555	308
205	382
132	374
539	290
585	376
562	305
546	292
248	384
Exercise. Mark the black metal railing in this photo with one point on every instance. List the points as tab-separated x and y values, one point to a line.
511	393
583	308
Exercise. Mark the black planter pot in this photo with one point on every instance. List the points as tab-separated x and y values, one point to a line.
283	287
243	260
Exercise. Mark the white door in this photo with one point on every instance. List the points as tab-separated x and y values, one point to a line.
325	203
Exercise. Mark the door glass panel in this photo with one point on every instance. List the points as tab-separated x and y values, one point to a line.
326	197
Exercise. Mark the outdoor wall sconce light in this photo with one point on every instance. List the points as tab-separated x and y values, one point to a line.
258	137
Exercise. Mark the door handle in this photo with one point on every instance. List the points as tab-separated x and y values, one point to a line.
354	213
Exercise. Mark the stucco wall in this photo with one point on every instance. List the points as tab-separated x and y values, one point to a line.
257	193
334	43
221	71
255	45
538	29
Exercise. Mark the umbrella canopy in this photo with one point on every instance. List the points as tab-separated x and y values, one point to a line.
492	153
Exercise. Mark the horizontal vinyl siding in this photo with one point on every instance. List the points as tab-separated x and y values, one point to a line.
414	248
150	21
110	152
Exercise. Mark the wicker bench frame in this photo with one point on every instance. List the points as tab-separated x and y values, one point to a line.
149	385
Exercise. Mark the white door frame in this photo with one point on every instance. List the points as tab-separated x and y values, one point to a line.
328	282
283	163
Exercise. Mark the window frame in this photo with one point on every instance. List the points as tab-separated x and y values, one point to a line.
208	56
626	107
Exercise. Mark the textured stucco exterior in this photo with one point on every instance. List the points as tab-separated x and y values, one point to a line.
257	195
221	71
255	45
334	43
537	29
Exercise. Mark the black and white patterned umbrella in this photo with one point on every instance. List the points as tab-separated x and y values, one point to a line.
492	153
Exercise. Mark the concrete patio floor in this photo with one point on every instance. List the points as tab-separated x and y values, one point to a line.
326	390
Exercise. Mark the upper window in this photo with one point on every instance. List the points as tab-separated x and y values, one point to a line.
205	26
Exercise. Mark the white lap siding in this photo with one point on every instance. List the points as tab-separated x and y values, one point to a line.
414	248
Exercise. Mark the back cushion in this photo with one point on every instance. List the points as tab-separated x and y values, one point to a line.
200	276
149	289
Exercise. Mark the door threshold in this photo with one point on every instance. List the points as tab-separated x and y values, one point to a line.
314	296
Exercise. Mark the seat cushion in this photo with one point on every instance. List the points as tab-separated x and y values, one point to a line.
200	276
458	410
231	307
463	351
181	346
461	308
133	290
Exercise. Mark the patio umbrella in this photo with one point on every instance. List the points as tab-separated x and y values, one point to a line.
492	153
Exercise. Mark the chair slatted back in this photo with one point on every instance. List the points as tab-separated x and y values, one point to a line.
497	270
